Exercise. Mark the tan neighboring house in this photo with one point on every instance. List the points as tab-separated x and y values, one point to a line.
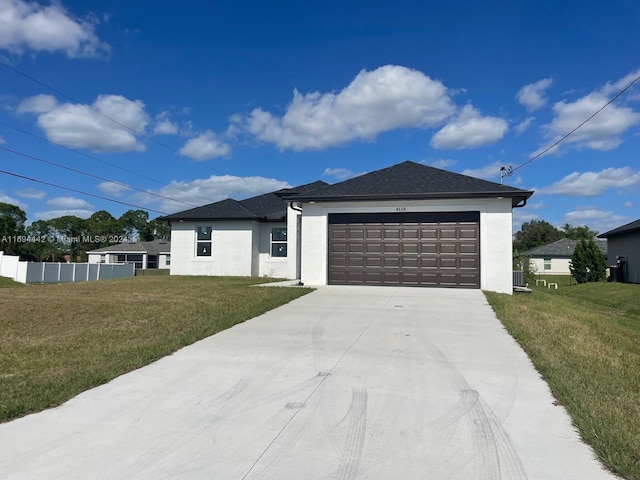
554	258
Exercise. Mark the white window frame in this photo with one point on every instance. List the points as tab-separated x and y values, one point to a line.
204	234
278	242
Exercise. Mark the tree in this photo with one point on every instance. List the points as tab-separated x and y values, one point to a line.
135	224
578	233
12	220
70	231
587	262
159	229
534	234
103	229
44	247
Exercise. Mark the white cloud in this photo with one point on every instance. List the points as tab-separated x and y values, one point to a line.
12	201
113	189
80	126
536	206
377	101
48	215
591	184
468	129
532	95
602	132
70	203
489	172
205	147
628	205
37	104
164	126
524	125
340	173
209	190
30	26
442	163
32	193
595	219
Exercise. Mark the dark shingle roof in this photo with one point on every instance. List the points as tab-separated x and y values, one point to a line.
268	206
153	247
411	180
562	248
628	228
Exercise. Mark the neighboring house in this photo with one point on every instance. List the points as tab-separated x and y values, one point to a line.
145	255
553	258
624	249
408	224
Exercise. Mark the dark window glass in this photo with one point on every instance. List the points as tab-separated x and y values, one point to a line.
278	234
203	249
204	233
278	249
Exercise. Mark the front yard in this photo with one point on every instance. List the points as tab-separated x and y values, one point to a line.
59	340
585	342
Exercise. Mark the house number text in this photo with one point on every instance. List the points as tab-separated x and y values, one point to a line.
401	209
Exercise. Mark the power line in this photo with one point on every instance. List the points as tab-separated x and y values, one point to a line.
79	152
95	110
535	157
80	192
94	176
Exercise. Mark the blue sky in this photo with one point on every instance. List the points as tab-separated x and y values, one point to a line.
233	99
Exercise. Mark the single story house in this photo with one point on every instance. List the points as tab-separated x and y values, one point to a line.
624	250
153	254
553	258
408	224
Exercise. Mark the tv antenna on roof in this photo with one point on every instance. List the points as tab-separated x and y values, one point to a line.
505	172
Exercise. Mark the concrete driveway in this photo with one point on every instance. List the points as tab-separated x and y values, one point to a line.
344	383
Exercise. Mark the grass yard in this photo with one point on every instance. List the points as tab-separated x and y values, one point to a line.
59	340
585	342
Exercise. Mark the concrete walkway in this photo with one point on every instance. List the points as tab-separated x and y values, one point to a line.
344	383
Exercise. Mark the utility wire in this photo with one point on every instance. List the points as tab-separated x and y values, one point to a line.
80	192
94	176
95	110
79	152
535	157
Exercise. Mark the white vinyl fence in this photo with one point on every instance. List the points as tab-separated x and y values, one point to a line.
54	272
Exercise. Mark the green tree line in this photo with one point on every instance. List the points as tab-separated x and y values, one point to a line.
50	240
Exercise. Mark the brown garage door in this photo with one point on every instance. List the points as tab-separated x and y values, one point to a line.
419	249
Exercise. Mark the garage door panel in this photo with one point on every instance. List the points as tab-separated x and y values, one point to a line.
373	248
429	248
355	248
448	248
389	261
470	248
381	249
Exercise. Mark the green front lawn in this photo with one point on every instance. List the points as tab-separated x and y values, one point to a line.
585	342
61	339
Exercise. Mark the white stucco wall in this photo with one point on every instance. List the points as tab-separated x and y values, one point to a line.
559	266
231	249
495	235
162	260
276	267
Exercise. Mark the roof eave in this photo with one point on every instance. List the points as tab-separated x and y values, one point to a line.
409	196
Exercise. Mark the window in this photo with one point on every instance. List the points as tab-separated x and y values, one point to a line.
203	243
103	258
130	258
168	260
547	264
279	242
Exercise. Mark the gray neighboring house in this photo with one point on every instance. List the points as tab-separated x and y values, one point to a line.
553	258
145	255
624	245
